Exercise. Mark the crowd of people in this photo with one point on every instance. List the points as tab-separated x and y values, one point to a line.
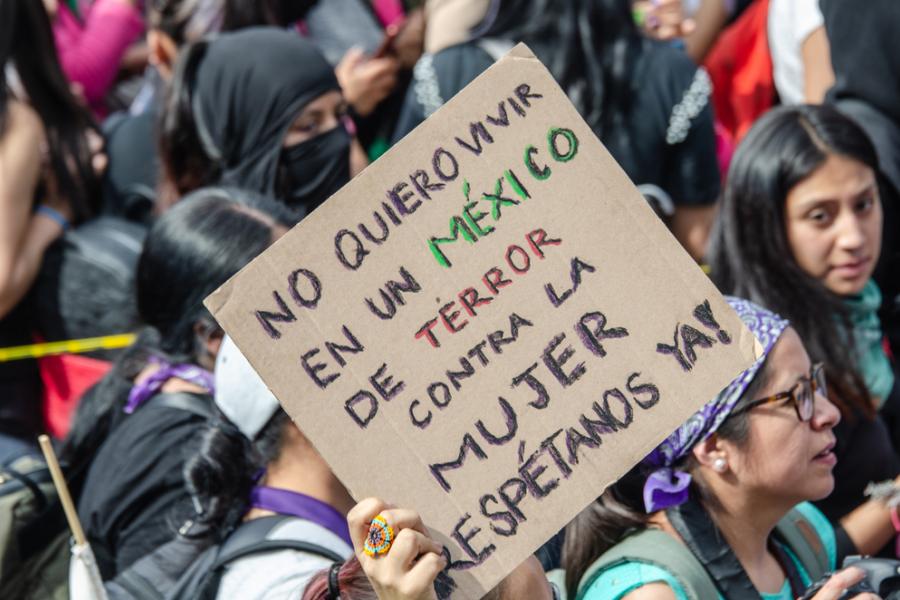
764	133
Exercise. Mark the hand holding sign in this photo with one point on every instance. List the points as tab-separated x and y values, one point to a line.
492	310
408	569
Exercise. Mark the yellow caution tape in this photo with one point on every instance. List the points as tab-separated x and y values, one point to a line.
106	342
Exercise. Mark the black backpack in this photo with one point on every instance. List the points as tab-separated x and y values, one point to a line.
34	537
201	580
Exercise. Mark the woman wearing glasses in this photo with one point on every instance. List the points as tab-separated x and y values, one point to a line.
799	232
720	508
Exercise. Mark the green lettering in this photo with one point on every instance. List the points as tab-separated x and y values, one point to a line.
457	226
553	135
538	173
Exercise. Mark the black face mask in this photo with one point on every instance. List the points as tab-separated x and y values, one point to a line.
316	168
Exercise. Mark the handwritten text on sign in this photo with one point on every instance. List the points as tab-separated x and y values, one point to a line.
488	325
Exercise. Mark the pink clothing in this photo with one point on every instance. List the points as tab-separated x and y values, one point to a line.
90	49
389	11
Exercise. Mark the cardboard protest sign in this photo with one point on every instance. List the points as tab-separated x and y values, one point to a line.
488	325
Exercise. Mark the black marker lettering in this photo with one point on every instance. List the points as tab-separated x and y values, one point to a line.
265	317
469	445
335	349
512	425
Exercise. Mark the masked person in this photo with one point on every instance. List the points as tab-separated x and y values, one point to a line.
260	109
134	431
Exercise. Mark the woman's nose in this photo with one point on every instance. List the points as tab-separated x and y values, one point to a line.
851	233
826	414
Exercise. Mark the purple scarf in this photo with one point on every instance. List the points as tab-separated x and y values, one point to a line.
666	486
295	504
141	392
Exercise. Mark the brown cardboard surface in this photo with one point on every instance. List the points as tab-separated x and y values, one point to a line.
545	375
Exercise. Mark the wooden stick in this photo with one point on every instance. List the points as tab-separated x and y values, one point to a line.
60	482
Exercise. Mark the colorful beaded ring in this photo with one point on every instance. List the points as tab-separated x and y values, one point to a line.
380	537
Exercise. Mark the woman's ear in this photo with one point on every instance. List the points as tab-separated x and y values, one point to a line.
712	454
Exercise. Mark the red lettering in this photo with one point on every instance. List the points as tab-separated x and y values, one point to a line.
425	331
470	300
448	320
493	279
522	252
538	238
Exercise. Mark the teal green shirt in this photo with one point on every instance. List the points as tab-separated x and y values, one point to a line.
622	579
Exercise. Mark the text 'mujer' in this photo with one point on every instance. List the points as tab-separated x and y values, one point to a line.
488	325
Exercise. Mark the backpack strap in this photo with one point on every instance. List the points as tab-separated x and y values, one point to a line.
799	534
656	547
660	549
248	539
185	401
30	480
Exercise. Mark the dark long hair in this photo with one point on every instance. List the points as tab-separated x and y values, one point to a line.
189	252
26	42
590	46
620	510
185	164
749	253
222	472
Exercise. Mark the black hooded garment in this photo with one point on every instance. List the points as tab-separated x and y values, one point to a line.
250	86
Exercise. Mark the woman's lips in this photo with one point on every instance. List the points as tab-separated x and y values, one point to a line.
853	270
826	456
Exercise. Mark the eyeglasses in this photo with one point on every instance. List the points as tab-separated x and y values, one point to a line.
802	395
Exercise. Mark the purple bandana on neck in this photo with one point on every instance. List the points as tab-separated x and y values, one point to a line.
143	391
667	486
288	502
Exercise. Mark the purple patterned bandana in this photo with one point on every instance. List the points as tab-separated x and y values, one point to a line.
143	391
666	486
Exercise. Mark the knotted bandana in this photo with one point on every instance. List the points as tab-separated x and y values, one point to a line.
667	486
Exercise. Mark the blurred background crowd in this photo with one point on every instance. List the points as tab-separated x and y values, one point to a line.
149	149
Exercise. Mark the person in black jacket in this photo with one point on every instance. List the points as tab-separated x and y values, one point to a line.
129	439
646	100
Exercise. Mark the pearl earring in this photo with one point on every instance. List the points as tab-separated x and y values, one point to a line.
719	465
